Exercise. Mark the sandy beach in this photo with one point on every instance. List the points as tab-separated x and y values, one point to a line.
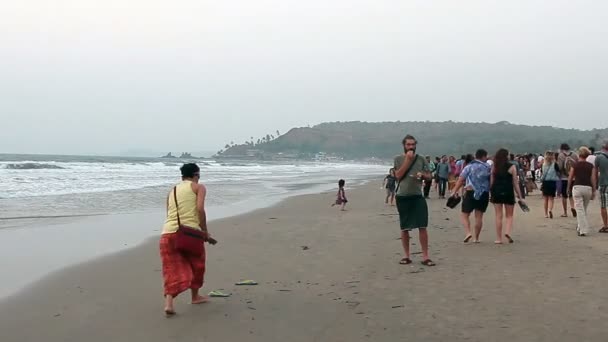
326	275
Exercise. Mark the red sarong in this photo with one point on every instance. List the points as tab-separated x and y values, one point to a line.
180	272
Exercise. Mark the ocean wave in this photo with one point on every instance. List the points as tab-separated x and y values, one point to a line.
32	166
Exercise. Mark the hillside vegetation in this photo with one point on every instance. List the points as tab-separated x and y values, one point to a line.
382	139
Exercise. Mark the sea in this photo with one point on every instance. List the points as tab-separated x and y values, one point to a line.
43	187
57	211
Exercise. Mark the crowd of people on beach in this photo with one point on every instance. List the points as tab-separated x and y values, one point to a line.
477	180
503	180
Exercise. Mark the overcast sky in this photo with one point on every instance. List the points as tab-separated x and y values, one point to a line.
93	76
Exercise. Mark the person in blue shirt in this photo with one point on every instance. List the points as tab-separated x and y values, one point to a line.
475	177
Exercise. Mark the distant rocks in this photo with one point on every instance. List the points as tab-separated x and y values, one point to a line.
184	155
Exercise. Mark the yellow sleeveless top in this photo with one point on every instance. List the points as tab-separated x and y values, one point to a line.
188	215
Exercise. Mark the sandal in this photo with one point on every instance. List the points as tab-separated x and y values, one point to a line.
428	262
550	214
246	283
468	238
219	294
405	261
573	212
509	238
604	230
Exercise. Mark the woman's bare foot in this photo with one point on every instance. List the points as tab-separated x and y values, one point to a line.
498	242
200	299
169	310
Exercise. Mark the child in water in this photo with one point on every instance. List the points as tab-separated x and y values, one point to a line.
341	197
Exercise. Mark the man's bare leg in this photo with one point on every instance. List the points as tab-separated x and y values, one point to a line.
198	299
424	243
478	224
565	205
466	222
405	242
605	216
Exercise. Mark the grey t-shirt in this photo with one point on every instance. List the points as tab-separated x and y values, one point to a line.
601	162
443	170
410	184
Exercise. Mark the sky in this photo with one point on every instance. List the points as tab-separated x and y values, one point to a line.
92	76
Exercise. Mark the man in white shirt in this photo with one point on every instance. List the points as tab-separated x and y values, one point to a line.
591	158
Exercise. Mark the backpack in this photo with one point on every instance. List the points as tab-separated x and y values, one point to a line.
570	160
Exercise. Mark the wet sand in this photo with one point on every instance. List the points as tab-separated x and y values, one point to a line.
326	275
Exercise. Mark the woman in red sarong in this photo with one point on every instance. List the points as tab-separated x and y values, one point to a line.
182	271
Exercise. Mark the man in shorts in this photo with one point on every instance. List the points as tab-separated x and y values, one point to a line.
475	178
565	161
411	171
601	167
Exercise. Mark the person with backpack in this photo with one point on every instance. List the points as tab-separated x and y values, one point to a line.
601	174
565	162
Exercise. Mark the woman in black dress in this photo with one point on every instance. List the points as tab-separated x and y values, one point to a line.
504	185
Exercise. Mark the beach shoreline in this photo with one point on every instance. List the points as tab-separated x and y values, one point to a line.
70	227
326	275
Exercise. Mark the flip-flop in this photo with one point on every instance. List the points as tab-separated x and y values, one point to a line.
604	230
573	212
170	313
550	214
405	261
246	282
509	238
428	262
220	294
468	238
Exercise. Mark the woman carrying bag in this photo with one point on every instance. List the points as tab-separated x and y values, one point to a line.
182	249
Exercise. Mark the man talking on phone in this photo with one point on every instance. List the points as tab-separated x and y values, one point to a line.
411	171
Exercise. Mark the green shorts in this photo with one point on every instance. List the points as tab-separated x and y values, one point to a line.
413	212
